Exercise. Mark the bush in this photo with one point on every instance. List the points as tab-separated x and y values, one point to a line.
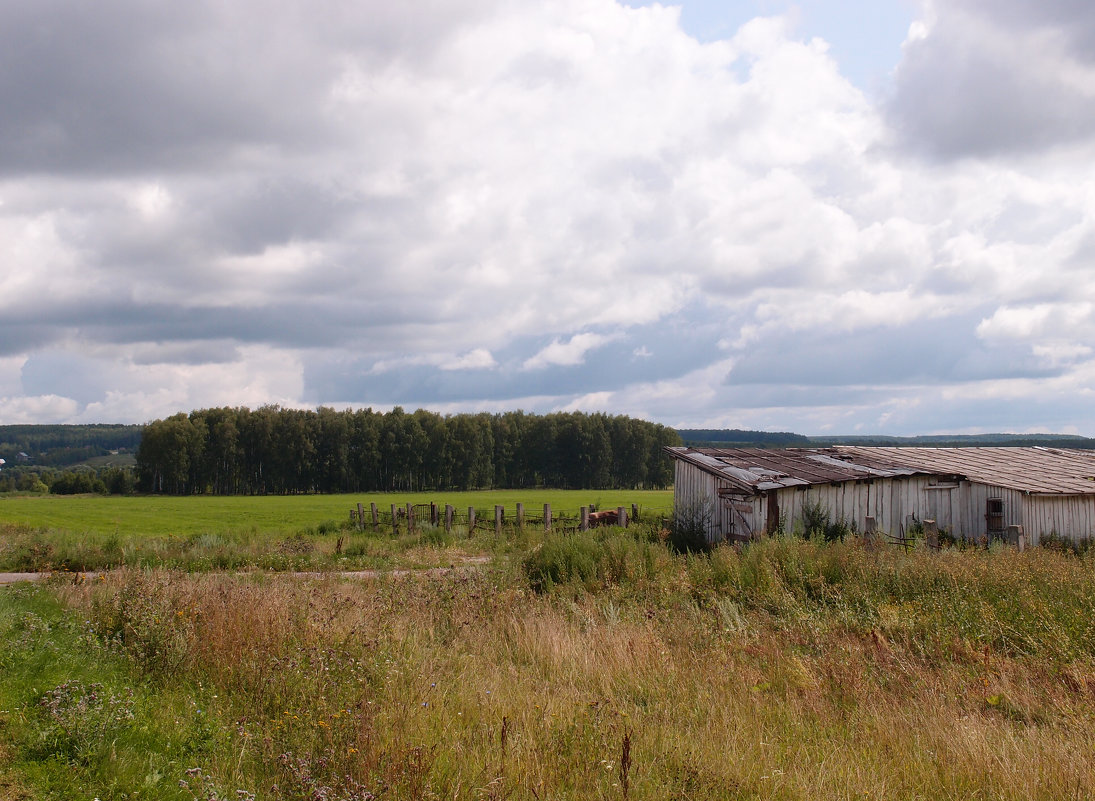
1055	542
688	527
609	557
77	483
818	521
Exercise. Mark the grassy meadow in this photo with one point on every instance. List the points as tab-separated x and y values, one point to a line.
143	515
598	665
290	532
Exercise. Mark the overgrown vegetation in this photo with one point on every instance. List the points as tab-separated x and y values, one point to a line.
596	665
818	521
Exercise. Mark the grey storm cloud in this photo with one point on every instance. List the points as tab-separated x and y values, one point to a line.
129	85
991	78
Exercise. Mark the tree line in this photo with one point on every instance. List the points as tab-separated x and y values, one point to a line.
271	450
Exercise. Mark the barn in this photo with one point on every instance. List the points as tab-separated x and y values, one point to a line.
970	493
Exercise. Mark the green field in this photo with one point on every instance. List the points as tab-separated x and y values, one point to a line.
280	514
292	532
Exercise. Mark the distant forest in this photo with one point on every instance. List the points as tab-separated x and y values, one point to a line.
738	438
272	450
62	445
237	451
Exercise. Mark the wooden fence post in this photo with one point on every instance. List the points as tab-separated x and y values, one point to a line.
870	532
547	517
471	519
1017	537
360	516
621	517
931	534
448	518
583	525
499	515
376	513
521	516
410	518
395	521
635	512
433	514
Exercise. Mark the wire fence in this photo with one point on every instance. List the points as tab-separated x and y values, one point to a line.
399	518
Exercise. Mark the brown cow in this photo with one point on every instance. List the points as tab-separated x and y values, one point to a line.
608	517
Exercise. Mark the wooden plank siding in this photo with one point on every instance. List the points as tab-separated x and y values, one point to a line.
697	492
1071	517
958	507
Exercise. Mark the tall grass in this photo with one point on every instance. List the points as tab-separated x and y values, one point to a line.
789	669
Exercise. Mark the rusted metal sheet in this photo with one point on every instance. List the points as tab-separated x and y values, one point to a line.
760	470
1038	470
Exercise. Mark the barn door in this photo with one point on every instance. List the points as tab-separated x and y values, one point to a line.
741	517
941	506
771	525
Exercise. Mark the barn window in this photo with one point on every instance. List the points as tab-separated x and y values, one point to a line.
994	514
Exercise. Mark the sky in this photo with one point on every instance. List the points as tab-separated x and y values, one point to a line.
827	217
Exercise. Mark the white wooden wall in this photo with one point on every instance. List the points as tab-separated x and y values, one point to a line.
888	501
1071	516
959	509
696	489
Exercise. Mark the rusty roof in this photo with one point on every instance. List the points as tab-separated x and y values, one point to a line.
1039	471
759	469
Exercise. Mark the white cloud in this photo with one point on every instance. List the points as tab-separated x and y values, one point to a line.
569	353
478	359
36	409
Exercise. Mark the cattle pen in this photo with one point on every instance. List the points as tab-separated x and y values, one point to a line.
412	516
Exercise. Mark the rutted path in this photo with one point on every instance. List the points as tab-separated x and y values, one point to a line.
472	563
12	578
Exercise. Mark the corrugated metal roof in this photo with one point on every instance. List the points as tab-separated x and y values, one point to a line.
759	469
1048	471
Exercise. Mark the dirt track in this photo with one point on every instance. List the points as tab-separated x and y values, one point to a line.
470	564
12	578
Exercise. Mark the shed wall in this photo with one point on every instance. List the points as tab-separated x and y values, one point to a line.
1069	516
887	500
957	507
696	492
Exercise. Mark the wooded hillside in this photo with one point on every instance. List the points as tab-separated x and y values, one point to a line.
60	445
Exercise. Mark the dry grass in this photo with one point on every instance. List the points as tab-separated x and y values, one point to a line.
10	787
795	671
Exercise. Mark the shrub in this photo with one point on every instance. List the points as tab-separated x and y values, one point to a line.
77	483
688	527
608	557
817	520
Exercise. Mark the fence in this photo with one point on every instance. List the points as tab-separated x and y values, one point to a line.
411	517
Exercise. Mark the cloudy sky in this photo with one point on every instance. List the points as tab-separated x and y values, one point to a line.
832	216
